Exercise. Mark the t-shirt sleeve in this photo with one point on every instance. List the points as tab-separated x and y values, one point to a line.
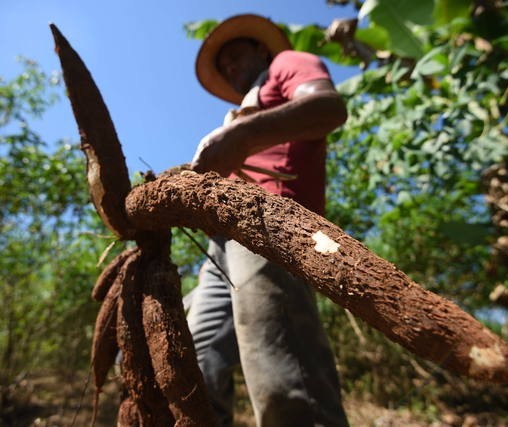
289	69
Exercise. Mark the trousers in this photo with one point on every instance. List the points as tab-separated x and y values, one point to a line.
270	324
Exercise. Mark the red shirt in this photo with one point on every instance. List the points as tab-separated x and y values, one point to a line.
306	159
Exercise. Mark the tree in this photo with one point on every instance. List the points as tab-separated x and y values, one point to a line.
48	256
425	129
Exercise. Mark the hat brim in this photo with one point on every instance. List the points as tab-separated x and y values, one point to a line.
250	26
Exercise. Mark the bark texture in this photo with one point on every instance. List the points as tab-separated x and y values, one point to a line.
170	345
128	415
137	367
337	265
104	344
109	274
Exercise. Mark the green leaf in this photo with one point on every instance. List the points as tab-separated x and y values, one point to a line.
398	17
350	86
200	29
434	62
456	56
375	36
501	42
447	10
403	197
478	111
463	232
367	7
311	38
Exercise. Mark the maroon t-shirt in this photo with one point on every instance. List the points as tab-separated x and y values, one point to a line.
306	159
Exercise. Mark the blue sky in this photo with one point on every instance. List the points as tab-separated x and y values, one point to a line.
143	63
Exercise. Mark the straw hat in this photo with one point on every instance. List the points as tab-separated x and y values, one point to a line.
251	26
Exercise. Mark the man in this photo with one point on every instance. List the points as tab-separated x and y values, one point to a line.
288	105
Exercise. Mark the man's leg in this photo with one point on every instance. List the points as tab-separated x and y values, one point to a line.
286	358
211	324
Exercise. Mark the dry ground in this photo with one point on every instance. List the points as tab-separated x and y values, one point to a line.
50	401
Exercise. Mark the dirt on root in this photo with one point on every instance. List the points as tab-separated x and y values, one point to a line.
335	264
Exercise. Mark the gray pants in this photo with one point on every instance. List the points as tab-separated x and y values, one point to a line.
286	359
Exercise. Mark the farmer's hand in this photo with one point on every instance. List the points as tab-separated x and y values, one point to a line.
221	151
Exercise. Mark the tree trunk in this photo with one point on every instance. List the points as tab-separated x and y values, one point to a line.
337	265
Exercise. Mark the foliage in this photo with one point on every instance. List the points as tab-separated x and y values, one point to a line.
405	176
187	254
48	259
423	134
400	19
309	38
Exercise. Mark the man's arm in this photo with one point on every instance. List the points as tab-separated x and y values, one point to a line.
314	110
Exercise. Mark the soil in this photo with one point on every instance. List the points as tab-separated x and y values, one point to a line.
47	400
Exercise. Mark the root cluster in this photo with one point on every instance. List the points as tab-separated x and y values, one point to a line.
142	319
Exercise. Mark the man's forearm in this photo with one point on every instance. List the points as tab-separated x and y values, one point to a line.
303	119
